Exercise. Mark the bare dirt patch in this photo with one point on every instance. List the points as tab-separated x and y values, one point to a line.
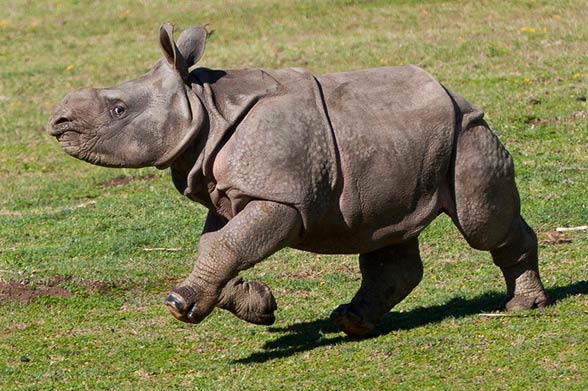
124	180
26	292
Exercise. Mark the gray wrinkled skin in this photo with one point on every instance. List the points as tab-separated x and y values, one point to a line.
356	162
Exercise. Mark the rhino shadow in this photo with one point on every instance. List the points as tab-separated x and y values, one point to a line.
306	336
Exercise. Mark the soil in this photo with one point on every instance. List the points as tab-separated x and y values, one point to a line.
25	292
22	292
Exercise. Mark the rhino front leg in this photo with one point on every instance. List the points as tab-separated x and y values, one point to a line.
251	301
388	276
259	230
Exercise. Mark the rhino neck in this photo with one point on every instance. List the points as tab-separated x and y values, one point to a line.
189	134
227	97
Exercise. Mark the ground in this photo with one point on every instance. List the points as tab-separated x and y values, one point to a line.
87	254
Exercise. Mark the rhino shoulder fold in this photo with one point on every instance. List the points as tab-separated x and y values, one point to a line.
283	150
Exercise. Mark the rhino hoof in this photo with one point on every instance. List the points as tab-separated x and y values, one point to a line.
262	319
351	323
522	303
262	304
181	308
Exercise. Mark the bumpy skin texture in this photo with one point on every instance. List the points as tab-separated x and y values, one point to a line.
355	162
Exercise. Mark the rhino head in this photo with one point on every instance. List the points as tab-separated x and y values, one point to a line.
148	121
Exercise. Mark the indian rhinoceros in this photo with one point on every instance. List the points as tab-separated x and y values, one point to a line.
346	163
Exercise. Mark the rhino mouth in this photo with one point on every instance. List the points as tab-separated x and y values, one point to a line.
67	135
77	144
64	131
69	140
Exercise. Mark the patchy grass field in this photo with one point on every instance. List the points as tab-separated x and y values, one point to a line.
82	281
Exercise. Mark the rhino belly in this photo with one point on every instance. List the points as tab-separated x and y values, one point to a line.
373	211
394	130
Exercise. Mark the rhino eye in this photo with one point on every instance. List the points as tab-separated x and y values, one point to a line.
118	111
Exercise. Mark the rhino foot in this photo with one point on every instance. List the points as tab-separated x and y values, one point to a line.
186	304
351	323
523	302
251	301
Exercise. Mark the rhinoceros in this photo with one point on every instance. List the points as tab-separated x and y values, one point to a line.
356	162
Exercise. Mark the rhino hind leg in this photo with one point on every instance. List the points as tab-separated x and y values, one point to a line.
388	276
487	212
519	262
251	301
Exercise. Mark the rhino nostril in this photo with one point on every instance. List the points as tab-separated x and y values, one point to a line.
60	125
60	121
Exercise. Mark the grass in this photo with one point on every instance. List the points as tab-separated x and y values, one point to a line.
64	226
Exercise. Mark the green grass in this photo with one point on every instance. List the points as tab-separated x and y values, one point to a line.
60	225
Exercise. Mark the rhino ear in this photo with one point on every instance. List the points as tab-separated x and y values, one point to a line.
170	50
191	44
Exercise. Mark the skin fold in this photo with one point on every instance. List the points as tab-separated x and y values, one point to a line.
349	163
